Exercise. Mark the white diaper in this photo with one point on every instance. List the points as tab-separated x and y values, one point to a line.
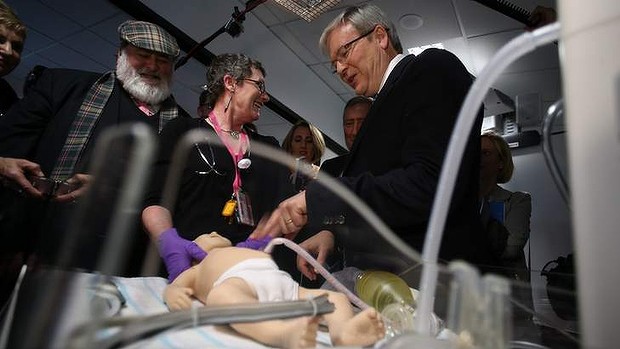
263	275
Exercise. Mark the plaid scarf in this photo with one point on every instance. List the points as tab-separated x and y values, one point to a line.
86	119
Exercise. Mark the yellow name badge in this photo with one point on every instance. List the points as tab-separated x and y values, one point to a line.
229	208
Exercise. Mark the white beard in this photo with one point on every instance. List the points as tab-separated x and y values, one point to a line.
132	82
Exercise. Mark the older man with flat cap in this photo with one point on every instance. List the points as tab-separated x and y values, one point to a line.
53	130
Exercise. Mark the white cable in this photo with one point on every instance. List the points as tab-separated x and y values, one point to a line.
194	317
6	329
328	277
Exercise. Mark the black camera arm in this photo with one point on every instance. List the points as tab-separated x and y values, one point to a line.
234	27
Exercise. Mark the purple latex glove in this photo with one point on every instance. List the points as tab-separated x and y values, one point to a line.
178	253
255	244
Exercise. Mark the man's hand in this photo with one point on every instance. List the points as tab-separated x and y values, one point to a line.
287	219
178	253
15	172
76	186
320	246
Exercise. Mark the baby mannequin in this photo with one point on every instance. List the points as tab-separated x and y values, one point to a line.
235	275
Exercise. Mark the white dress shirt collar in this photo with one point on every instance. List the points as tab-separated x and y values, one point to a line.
390	67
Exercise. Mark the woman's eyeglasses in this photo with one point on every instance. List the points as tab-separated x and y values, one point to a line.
259	84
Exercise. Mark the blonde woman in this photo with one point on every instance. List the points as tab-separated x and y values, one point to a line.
307	145
511	209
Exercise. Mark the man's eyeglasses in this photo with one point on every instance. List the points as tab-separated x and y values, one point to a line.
259	84
345	50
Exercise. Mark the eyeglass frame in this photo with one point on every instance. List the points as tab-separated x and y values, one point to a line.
260	84
348	47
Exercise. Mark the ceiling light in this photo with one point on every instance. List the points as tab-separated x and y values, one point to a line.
308	9
410	21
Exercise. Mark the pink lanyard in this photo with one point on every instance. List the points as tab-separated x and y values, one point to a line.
235	155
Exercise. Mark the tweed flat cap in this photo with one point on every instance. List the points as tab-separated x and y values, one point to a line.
149	37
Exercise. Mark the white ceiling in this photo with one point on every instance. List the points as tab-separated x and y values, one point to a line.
82	35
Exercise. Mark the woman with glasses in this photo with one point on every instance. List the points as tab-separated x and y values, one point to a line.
220	185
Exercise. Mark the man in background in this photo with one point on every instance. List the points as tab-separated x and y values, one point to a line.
12	37
52	133
354	114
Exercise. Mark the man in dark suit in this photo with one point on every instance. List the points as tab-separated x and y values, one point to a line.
354	113
396	159
53	131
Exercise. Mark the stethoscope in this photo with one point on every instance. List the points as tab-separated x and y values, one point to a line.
211	165
242	164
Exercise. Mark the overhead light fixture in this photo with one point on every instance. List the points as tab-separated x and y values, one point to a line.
411	21
308	9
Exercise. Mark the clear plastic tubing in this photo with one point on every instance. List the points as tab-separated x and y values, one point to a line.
513	50
317	266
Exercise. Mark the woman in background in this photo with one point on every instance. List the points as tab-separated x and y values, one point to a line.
511	209
306	144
